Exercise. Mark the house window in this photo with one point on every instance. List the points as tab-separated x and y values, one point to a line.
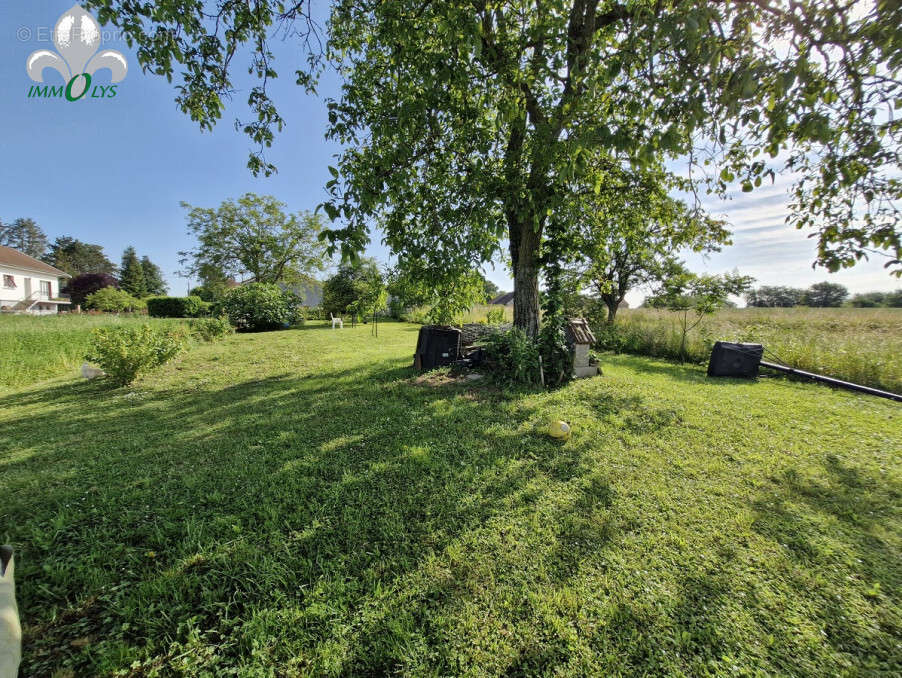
9	281
45	288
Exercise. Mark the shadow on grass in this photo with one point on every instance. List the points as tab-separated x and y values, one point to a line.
347	522
259	520
836	523
671	369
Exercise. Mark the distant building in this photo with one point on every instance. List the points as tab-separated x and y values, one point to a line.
28	285
506	299
310	293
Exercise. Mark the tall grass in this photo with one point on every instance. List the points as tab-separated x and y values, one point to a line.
35	348
863	345
476	314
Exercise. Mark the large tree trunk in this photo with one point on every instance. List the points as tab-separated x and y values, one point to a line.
613	295
524	231
524	247
612	304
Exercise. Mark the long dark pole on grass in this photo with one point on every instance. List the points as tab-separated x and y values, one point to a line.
833	382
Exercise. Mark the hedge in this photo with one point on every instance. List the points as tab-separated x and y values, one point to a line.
177	307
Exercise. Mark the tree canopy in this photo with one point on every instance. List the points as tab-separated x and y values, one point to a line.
153	277
628	232
24	235
779	296
356	287
466	122
489	289
692	297
253	239
76	257
131	276
466	125
825	294
82	285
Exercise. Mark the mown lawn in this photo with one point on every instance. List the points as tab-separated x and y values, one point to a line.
299	503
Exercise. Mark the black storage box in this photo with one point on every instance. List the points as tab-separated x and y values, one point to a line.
436	346
735	360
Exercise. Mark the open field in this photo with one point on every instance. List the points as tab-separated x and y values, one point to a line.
40	347
299	503
863	345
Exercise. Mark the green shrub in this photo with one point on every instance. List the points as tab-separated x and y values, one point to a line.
494	316
211	329
125	352
310	312
396	308
211	292
513	357
177	307
261	306
111	300
557	361
417	315
611	337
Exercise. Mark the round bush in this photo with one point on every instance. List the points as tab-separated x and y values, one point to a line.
125	352
211	329
111	300
79	287
261	306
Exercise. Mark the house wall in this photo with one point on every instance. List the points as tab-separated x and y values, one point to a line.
10	296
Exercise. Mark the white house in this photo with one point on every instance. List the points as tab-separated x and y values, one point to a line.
28	285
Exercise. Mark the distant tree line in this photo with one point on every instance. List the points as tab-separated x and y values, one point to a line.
821	295
90	268
878	299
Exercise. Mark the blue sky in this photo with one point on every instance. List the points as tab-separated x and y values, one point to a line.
114	171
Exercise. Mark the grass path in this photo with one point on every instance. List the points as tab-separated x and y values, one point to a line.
299	503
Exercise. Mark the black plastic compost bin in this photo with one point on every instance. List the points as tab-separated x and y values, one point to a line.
735	360
436	346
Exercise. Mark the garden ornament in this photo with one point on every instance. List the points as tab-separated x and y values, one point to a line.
559	429
10	630
89	372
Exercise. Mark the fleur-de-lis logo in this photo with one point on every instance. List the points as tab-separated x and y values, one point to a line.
77	37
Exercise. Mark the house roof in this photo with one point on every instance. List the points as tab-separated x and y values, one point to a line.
503	299
17	259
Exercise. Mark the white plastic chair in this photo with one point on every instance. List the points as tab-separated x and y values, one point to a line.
335	320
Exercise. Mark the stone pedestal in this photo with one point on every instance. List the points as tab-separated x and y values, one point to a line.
580	338
587	371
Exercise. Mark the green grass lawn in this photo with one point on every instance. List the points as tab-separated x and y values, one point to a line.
300	503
